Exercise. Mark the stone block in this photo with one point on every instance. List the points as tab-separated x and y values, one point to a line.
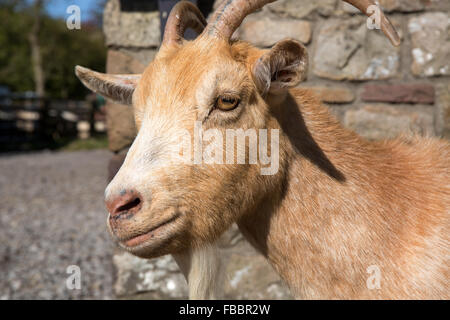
130	28
430	44
119	62
377	122
399	93
264	31
142	55
121	126
302	8
347	49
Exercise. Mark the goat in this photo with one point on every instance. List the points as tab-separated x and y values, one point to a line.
338	206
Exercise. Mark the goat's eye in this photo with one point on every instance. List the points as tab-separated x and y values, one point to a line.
227	103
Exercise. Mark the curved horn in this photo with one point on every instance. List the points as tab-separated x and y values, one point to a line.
183	15
386	26
230	15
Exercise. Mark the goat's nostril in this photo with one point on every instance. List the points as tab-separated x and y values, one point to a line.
130	205
125	203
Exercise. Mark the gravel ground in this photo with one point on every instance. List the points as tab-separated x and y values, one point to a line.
52	216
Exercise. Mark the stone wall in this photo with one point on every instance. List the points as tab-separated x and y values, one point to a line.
376	89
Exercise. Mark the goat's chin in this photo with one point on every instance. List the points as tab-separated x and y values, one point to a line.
151	250
165	238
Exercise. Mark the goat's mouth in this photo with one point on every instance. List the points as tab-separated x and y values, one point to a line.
157	233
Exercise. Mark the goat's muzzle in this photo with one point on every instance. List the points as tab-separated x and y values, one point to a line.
123	205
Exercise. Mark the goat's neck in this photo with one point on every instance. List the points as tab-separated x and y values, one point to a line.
293	226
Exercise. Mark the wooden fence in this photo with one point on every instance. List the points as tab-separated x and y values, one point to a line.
30	122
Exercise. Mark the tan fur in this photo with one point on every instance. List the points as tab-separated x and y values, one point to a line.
338	204
346	204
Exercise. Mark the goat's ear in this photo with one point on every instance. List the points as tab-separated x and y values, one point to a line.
117	87
281	67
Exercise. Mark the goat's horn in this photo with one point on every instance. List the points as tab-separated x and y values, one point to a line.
386	25
230	15
183	15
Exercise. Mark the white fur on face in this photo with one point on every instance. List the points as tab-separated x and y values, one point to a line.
155	148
